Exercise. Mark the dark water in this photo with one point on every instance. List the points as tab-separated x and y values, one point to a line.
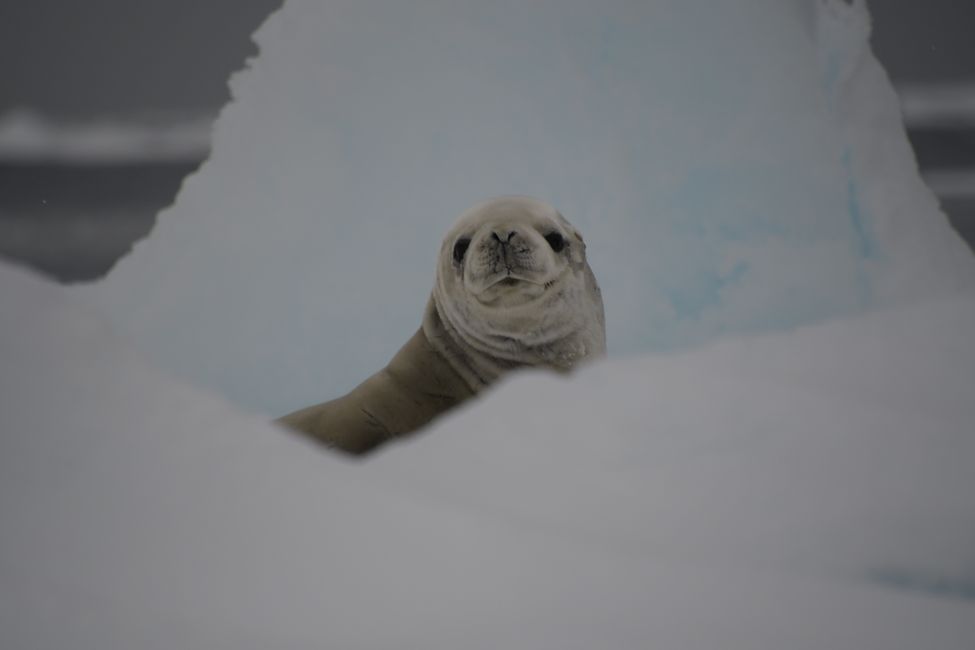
961	211
944	147
949	147
73	222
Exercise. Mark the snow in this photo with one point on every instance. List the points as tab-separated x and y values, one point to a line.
801	490
752	184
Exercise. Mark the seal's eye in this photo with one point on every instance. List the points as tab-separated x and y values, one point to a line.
556	241
460	249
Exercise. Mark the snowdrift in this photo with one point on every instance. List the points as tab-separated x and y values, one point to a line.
795	491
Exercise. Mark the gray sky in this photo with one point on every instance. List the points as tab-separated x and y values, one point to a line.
118	57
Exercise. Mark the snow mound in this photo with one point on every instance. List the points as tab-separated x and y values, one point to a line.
735	167
793	491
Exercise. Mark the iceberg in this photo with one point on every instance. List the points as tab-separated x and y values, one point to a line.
738	167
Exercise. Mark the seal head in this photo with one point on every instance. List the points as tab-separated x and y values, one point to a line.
514	289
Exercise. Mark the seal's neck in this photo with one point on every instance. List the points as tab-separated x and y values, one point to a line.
480	368
477	369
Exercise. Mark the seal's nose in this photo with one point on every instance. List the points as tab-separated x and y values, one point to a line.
503	237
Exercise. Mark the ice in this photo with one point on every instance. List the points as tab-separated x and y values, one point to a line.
735	167
800	490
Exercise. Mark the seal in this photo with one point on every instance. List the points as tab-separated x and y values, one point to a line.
513	290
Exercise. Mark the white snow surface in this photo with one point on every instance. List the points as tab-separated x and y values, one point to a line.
736	166
808	489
